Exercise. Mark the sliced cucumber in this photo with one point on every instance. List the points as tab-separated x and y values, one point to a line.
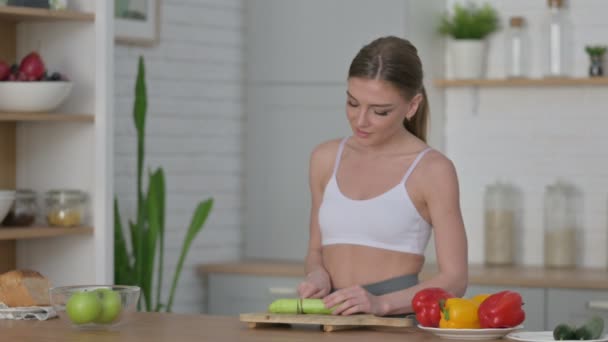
314	306
299	306
285	306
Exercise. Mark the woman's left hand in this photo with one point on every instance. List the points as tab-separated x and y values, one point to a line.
353	300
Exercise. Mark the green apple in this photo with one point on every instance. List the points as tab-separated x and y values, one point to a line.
83	307
111	306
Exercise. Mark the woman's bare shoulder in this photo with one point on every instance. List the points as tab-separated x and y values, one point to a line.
437	167
325	152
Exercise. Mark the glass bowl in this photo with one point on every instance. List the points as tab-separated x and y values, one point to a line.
94	306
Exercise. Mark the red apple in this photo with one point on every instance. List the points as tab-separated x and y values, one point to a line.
32	66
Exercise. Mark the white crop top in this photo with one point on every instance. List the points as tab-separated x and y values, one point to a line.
388	221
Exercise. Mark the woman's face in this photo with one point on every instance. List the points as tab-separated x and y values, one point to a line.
376	110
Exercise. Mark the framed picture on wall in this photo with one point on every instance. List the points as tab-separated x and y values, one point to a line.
137	21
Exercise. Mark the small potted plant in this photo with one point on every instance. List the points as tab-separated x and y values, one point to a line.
468	26
596	54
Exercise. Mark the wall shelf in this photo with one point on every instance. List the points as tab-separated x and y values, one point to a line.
19	233
73	143
523	82
18	117
17	14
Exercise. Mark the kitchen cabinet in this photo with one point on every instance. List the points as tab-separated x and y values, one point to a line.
233	294
550	296
296	67
69	148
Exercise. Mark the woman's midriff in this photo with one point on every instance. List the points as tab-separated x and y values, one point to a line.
350	265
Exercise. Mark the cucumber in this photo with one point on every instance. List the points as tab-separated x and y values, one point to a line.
314	306
564	332
582	333
591	330
298	306
285	306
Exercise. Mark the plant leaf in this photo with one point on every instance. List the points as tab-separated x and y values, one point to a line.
141	104
198	220
470	22
150	240
139	117
134	241
158	179
122	264
153	201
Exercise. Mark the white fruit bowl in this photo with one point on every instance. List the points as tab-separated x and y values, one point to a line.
94	307
36	96
6	201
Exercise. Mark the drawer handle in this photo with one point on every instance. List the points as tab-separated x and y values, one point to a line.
282	291
598	304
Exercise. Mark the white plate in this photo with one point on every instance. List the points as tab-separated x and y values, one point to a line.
538	336
470	334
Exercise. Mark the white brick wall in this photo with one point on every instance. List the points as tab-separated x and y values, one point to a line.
194	126
533	136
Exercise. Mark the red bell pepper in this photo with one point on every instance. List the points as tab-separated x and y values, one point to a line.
426	305
501	310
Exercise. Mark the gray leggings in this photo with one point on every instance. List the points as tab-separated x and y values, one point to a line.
391	285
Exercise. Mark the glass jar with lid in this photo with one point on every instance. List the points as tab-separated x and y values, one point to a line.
557	40
560	226
516	48
23	211
499	224
65	208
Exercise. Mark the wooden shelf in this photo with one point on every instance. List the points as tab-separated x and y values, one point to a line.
15	117
15	13
523	82
19	233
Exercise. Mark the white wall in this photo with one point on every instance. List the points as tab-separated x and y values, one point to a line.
194	130
297	62
532	136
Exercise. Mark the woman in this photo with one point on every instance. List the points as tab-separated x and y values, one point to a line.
377	194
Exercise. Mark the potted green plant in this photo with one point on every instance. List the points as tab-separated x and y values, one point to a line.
468	26
143	262
596	55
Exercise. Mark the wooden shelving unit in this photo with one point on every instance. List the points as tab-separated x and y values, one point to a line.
51	155
17	14
21	233
523	82
25	117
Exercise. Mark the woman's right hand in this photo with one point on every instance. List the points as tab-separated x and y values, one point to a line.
316	285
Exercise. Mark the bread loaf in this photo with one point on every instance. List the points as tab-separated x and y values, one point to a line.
24	288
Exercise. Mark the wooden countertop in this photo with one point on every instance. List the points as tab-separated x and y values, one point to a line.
153	327
524	276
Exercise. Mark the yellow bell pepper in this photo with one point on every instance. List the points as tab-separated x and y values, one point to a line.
480	298
459	313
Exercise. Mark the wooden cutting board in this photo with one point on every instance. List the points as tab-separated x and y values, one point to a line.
327	322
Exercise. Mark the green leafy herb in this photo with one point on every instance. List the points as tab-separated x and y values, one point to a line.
595	50
470	22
